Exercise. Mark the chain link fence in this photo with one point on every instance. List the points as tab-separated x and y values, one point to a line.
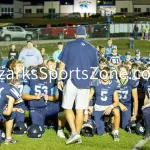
17	33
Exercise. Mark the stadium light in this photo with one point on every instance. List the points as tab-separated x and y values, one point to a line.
98	1
66	3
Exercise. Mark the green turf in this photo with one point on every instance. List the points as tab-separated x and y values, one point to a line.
121	44
50	141
146	146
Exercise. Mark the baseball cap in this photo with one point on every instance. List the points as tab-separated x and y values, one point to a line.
80	30
59	43
127	53
137	51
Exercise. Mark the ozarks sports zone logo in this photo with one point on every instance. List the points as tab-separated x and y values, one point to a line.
84	4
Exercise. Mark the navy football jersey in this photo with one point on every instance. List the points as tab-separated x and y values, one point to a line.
138	60
125	91
147	61
6	89
104	93
37	86
147	88
114	59
21	84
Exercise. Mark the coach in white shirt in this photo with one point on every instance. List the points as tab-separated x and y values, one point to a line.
30	55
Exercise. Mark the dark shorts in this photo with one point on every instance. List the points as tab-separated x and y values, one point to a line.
4	118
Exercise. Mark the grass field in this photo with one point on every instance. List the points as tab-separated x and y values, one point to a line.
50	141
121	44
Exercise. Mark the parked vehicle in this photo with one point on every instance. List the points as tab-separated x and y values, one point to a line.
24	25
98	15
52	16
100	30
119	15
73	15
63	31
14	32
145	15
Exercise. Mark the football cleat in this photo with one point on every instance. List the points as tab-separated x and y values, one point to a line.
60	133
10	141
73	138
116	137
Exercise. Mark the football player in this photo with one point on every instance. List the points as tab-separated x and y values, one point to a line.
142	80
148	59
114	59
128	57
138	58
146	107
17	67
128	64
51	65
102	64
127	90
9	95
38	94
101	51
106	101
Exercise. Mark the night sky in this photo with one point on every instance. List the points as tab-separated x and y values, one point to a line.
39	1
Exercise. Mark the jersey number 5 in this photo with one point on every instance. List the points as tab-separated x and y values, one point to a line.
104	95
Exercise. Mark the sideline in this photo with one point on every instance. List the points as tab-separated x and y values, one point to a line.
140	144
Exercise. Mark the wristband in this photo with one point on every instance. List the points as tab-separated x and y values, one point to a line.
112	106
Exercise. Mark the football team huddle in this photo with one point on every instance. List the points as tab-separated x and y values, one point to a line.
118	94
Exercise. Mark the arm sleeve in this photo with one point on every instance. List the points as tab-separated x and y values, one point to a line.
15	93
26	89
134	84
64	54
54	91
